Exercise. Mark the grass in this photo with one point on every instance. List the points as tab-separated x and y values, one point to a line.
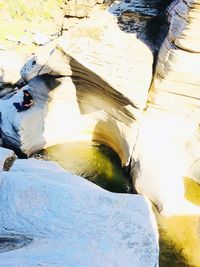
31	9
21	16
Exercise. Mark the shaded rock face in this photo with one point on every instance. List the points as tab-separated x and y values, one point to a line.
176	81
146	18
168	146
79	223
101	86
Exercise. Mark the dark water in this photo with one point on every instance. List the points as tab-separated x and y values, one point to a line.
97	163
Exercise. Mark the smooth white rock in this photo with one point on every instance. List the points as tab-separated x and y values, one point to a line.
167	146
73	221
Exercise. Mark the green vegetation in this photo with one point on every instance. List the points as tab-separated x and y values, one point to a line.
22	9
21	16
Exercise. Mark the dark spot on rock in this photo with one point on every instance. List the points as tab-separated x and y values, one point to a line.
11	242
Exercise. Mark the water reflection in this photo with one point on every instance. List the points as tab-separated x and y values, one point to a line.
95	162
180	235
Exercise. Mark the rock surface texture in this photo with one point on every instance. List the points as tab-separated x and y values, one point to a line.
5	155
64	218
94	85
168	146
176	82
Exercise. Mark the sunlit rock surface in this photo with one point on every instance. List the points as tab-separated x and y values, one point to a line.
70	220
165	151
176	81
168	146
100	96
10	65
82	8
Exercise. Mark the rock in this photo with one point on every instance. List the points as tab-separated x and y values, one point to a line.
10	65
5	155
82	8
68	23
163	155
87	225
25	40
168	146
144	18
11	38
5	91
176	81
102	87
41	39
2	47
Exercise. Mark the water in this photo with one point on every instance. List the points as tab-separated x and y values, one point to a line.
95	162
180	235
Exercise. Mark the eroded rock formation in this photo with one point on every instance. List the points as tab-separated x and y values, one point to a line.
176	82
99	74
105	73
168	146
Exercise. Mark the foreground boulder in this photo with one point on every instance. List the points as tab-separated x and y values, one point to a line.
63	218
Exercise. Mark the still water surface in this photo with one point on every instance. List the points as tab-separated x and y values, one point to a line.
97	163
179	236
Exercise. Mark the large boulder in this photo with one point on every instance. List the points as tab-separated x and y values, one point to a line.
60	218
10	65
168	146
97	87
176	81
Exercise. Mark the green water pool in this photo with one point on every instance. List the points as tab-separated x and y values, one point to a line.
95	162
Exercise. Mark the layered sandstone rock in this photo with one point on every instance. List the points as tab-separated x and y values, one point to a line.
176	82
98	87
168	146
